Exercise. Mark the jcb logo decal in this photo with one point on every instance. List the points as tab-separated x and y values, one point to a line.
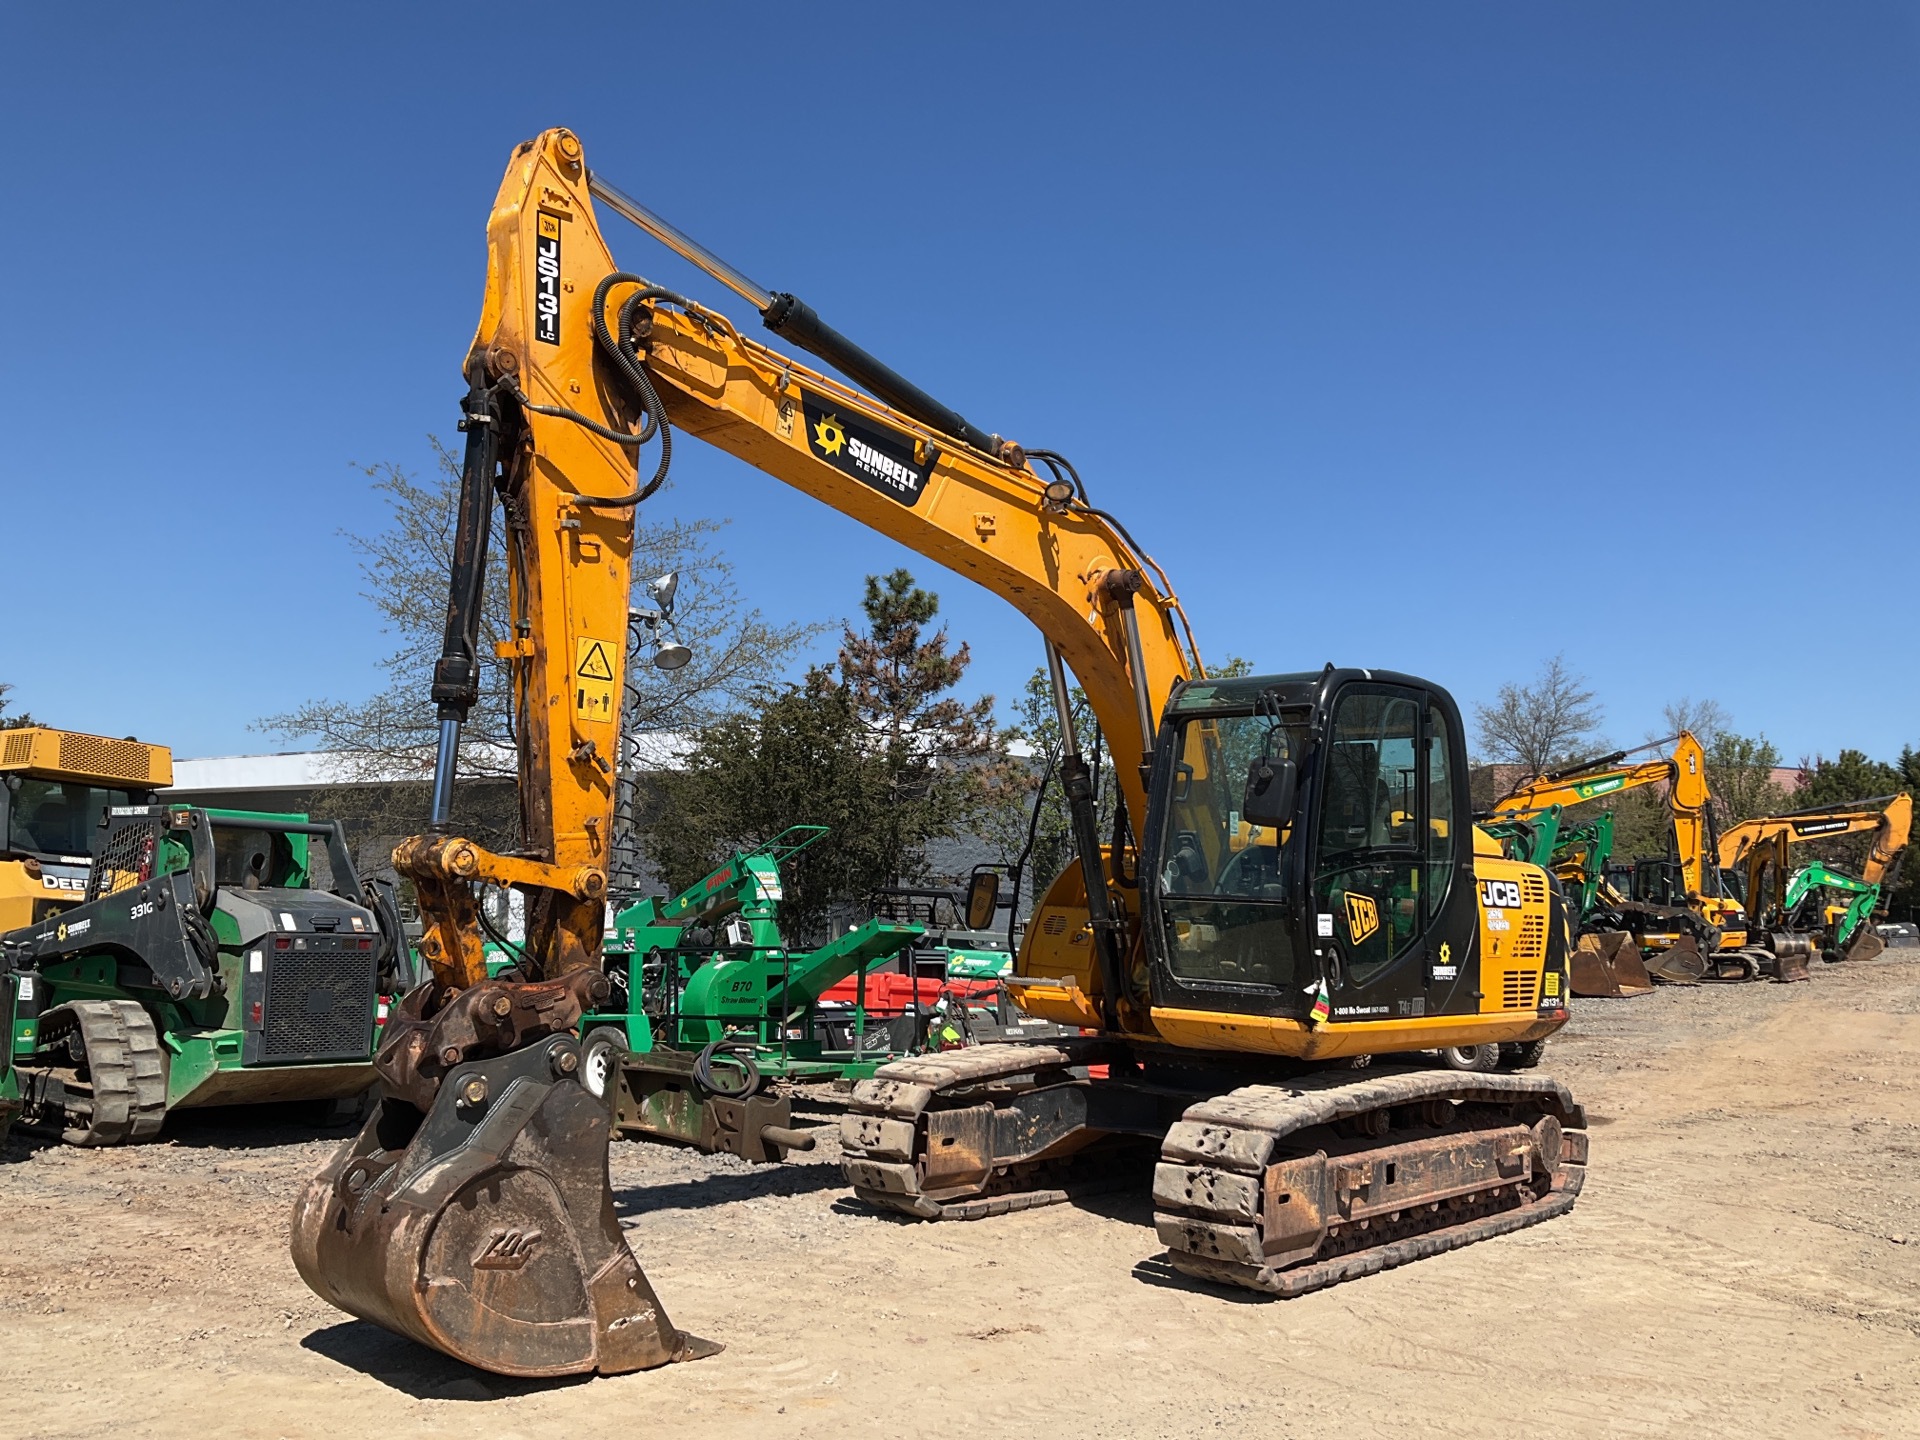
1363	916
1500	894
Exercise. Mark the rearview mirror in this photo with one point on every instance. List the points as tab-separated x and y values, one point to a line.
1271	785
983	898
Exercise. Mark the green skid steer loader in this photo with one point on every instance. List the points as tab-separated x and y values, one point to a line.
202	968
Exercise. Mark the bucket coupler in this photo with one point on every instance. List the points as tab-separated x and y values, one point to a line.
483	1226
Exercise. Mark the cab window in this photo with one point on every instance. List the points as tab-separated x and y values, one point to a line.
1371	853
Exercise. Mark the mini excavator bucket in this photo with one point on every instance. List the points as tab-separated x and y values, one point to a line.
1790	956
484	1227
1865	945
1608	963
1679	964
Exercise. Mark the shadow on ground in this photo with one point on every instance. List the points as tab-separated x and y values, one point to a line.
400	1364
770	1180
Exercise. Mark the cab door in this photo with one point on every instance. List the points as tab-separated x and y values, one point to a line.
1394	921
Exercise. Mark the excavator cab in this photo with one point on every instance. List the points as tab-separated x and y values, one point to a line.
1306	829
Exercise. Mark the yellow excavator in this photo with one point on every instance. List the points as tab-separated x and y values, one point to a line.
1291	904
1759	851
1678	913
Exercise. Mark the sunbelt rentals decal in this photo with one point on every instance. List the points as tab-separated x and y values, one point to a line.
894	464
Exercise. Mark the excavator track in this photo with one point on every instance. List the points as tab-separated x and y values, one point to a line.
1286	1189
1282	1188
883	1132
124	1098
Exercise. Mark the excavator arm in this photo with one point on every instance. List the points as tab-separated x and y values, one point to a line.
917	471
1889	817
1684	773
473	1213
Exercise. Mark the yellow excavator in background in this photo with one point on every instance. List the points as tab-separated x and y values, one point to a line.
1759	852
1292	888
1678	924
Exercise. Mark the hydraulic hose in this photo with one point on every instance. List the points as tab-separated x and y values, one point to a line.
737	1054
624	354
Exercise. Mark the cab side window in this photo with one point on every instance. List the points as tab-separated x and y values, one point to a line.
1443	825
1371	853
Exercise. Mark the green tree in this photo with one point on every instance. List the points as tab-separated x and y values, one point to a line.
19	721
1848	777
945	759
876	747
798	756
1740	777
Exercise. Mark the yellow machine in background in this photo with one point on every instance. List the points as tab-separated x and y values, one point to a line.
55	788
1682	921
1234	997
1758	852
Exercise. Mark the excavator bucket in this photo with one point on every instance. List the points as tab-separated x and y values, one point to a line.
1679	964
1865	945
1790	956
1608	963
485	1228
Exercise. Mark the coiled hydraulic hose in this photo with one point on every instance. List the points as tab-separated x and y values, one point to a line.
623	353
736	1054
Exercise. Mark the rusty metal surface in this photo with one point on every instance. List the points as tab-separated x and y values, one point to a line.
1679	964
656	1095
1866	945
1285	1189
485	1228
1607	963
432	1030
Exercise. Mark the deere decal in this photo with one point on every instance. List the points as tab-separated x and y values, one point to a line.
1363	916
894	464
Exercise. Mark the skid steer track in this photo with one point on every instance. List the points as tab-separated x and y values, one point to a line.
123	1099
1290	1188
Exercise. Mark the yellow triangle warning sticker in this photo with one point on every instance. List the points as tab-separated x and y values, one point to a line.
591	662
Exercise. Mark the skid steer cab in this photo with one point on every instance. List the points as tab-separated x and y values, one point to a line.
219	957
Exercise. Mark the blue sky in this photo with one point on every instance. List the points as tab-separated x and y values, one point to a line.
1440	337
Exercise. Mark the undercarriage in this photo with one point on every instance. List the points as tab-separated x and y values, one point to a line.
1283	1186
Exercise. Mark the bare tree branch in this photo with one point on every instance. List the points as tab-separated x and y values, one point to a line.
1541	725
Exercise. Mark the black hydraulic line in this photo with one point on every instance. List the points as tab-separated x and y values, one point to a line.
793	319
735	1053
456	676
1076	782
1058	463
1026	851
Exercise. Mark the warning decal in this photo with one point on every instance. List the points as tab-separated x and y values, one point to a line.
592	679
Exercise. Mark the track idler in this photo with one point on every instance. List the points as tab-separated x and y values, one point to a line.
484	1227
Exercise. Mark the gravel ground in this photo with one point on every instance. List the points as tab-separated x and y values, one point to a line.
1745	1261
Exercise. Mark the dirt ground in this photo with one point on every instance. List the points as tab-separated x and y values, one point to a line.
1745	1261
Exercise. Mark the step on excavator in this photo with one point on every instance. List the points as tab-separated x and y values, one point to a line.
1291	901
1759	853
